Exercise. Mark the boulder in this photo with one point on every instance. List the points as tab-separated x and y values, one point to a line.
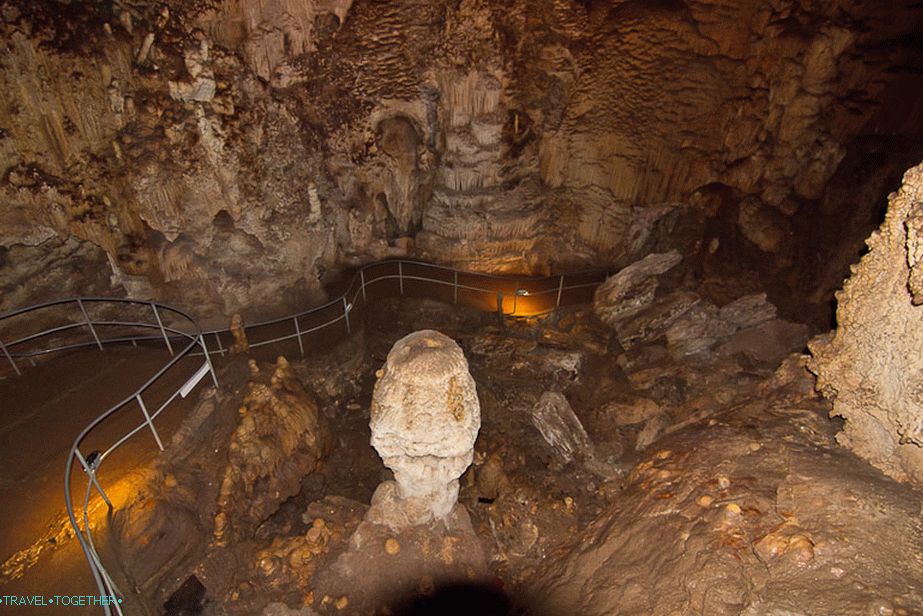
560	427
632	289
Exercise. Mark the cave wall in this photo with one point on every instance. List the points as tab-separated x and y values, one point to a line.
870	365
227	155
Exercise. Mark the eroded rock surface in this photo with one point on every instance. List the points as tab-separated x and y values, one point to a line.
227	155
755	512
871	366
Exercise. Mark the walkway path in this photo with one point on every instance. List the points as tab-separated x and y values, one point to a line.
41	412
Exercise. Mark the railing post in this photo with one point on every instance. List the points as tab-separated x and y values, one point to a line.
362	280
455	287
10	358
516	297
218	340
500	304
162	330
298	331
346	315
208	359
400	275
91	473
560	289
90	324
147	418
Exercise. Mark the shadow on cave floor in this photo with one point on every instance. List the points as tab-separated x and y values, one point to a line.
463	599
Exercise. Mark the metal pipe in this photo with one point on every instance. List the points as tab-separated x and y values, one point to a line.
298	332
362	280
208	358
90	470
218	340
162	330
346	315
10	358
79	533
150	423
560	289
400	275
90	324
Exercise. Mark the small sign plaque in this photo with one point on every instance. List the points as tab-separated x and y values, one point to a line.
194	380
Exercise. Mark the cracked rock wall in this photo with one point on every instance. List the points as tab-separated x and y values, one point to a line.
227	155
870	365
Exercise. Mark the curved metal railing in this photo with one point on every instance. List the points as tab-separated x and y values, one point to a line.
91	462
509	296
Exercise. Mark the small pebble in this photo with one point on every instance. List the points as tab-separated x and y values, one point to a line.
705	500
392	547
341	603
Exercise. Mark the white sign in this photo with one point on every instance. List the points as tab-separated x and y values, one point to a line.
193	380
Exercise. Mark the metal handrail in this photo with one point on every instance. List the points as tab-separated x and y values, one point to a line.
348	300
365	281
91	464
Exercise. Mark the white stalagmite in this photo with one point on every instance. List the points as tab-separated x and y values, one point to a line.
425	419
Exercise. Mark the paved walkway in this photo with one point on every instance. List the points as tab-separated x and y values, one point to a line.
40	414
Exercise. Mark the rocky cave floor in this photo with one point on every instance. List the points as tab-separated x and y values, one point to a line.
707	484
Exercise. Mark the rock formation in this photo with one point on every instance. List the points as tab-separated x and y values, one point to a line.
560	427
870	367
239	332
227	155
425	418
633	304
280	438
632	289
747	515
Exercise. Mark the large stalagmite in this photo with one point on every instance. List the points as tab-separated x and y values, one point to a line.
425	419
281	437
872	367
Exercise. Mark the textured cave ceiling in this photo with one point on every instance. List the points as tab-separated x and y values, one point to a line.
231	155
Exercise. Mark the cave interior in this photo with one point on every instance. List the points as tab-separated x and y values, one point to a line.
659	261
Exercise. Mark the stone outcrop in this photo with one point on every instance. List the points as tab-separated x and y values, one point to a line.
747	514
632	289
425	418
871	366
280	438
560	427
635	306
228	154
